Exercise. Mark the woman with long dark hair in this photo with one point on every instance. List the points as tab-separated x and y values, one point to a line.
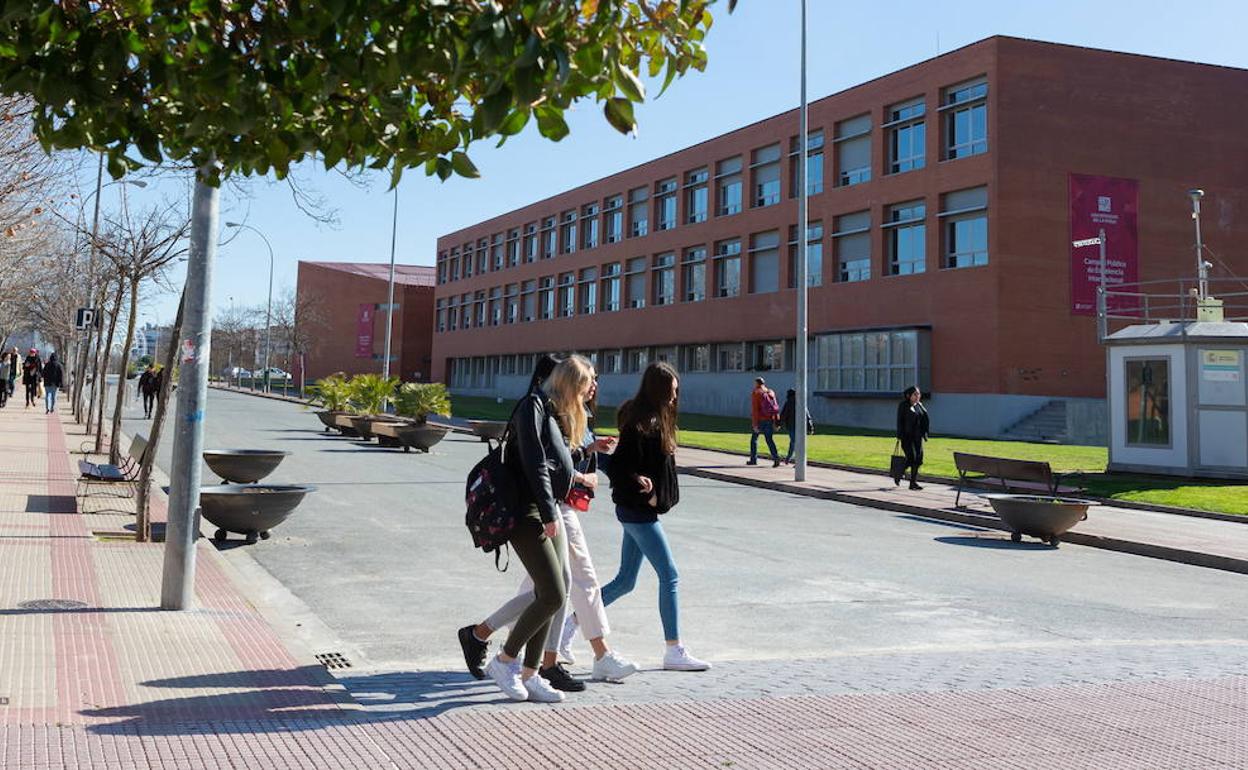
912	426
643	486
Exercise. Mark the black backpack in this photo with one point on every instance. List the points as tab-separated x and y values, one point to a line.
493	500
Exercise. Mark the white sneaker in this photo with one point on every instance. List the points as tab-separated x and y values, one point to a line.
565	640
613	668
677	658
539	690
507	677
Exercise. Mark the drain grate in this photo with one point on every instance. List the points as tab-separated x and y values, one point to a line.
106	536
51	604
333	660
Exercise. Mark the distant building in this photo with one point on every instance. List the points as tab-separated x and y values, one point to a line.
344	309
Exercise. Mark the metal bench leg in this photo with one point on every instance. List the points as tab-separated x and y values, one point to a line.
958	498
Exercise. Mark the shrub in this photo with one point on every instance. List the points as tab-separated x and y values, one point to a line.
369	392
419	400
331	392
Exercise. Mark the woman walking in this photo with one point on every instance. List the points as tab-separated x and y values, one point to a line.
644	486
53	379
32	370
788	417
912	426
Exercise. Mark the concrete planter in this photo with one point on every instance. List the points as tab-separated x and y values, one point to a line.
243	466
249	509
328	419
365	423
409	435
1044	517
343	423
488	430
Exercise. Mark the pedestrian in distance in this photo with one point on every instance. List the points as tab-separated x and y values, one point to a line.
764	411
15	368
32	372
149	386
912	429
7	364
53	380
788	418
643	487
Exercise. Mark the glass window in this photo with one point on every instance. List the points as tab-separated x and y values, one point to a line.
966	119
697	358
728	182
665	204
871	362
567	295
665	278
730	357
696	196
530	243
1148	401
638	212
442	267
612	361
513	249
814	255
470	260
483	253
693	268
441	319
965	227
567	239
907	131
765	262
728	268
512	295
665	355
635	282
614	219
496	306
814	164
852	242
767	356
529	304
481	308
546	297
589	225
550	238
636	360
589	290
853	151
611	287
765	170
907	238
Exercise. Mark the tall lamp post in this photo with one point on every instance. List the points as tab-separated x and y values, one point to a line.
394	233
268	310
799	418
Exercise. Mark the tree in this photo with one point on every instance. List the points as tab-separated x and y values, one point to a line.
298	321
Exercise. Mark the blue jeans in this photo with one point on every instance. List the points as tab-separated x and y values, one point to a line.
49	397
649	541
767	429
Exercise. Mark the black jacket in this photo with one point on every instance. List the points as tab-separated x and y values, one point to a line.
641	454
788	414
538	453
912	423
53	375
149	382
32	370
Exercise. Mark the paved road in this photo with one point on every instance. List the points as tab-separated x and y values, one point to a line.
785	594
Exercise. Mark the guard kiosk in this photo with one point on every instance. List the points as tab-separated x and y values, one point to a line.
1178	399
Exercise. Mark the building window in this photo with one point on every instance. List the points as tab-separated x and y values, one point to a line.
665	278
814	164
567	295
696	196
965	227
767	356
454	268
728	184
907	131
480	309
665	355
665	205
529	296
614	219
693	267
465	311
483	253
530	242
550	238
441	319
871	362
546	297
442	267
452	314
635	282
497	253
512	294
765	262
853	151
470	260
589	291
966	119
765	172
728	268
636	360
638	212
730	357
907	238
611	287
513	249
589	225
852	243
697	358
1148	401
496	306
814	255
567	233
612	362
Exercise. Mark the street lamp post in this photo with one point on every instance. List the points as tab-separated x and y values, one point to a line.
268	310
800	365
394	233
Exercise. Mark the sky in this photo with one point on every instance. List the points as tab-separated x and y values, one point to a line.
752	74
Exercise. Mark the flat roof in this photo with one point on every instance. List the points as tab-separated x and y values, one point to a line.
1182	332
405	275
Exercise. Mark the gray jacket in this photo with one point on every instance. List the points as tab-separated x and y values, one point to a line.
537	450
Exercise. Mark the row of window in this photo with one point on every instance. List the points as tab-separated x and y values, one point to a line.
853	362
699	194
729	271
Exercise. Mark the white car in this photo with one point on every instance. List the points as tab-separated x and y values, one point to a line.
235	372
275	374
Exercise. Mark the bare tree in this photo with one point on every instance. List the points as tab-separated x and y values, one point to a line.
298	320
143	514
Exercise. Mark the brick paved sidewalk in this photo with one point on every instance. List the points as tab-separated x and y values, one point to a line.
117	683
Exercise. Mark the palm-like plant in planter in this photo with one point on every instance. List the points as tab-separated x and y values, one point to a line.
367	400
416	401
334	394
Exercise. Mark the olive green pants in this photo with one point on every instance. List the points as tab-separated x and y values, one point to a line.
543	560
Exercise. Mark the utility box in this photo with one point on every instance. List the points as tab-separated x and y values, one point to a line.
1178	399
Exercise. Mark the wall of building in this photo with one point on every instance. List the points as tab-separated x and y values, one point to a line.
416	315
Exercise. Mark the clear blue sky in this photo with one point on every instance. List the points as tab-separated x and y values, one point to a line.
752	74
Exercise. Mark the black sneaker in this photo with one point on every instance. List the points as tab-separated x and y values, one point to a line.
751	462
775	463
474	651
560	679
915	486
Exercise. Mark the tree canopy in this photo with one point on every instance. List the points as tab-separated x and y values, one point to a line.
252	87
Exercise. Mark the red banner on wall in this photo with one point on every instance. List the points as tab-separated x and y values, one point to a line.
364	331
1110	204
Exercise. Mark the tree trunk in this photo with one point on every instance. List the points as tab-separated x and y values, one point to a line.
93	362
143	522
114	451
105	354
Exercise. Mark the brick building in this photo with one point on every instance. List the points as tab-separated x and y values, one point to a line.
345	305
943	203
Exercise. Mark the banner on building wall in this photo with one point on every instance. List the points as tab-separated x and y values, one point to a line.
364	331
1110	204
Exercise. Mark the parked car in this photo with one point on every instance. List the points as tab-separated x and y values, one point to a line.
275	374
234	372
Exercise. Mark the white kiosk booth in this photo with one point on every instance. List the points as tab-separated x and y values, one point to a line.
1178	399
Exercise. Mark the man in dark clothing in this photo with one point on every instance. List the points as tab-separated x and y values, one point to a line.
912	427
149	386
32	371
53	379
788	418
15	366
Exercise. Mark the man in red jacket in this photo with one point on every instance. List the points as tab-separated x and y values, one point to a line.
764	411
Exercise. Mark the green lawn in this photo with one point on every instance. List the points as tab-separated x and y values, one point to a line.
861	448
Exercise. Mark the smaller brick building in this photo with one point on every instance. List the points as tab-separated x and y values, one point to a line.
345	308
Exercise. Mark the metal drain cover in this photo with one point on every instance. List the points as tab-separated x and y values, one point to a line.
332	660
51	604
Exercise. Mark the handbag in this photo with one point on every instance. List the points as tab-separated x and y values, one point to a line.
897	463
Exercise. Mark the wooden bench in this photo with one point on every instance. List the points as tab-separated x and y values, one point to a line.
1017	474
125	474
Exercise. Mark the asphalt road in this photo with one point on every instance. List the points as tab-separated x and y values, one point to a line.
380	554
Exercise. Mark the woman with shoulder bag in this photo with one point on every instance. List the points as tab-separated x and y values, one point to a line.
912	427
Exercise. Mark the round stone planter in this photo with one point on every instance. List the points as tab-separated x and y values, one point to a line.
249	509
243	466
409	435
364	423
1047	518
488	430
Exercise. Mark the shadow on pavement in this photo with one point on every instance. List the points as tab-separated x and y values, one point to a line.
1002	543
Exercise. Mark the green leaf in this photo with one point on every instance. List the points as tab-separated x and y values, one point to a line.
619	114
628	83
494	109
515	122
463	166
550	122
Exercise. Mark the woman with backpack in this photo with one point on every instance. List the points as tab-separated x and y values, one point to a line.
912	427
788	418
643	487
32	373
53	379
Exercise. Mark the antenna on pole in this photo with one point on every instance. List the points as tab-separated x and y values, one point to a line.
1202	267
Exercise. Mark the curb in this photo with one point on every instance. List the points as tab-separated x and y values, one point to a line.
1151	550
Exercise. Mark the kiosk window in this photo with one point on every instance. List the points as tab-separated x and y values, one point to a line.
1148	401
